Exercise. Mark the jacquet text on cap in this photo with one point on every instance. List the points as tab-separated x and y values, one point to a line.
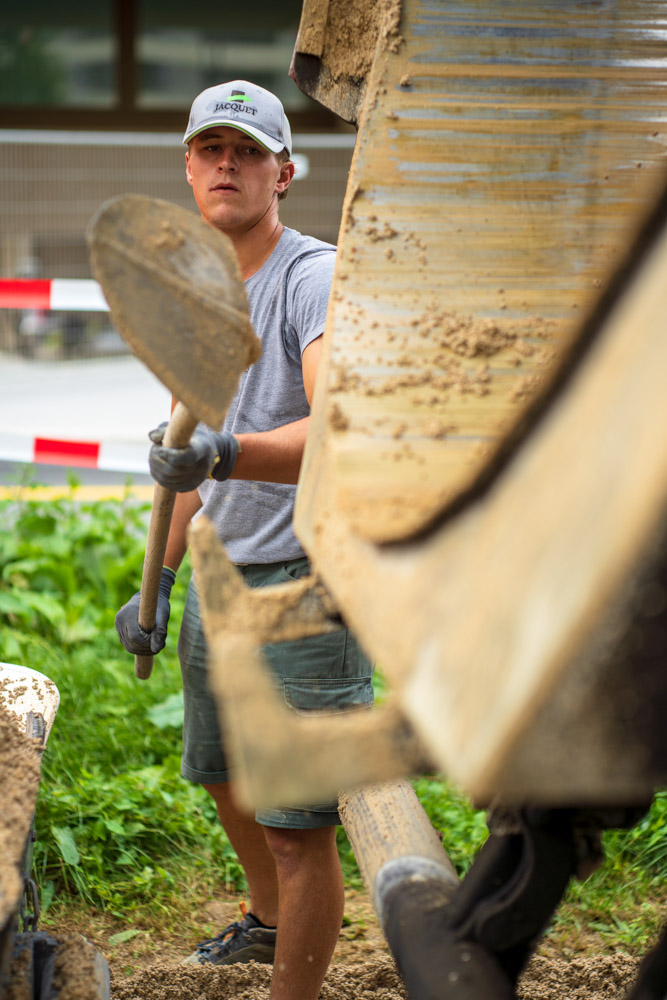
244	106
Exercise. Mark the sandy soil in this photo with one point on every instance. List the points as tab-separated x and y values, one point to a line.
148	966
376	978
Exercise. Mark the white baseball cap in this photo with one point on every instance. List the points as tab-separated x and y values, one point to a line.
244	106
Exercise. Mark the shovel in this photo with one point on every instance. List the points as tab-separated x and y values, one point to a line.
176	296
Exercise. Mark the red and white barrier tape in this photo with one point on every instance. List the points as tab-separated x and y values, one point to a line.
69	294
115	457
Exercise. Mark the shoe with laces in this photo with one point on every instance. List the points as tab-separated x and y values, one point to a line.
245	940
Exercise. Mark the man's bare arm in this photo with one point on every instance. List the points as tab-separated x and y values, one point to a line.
185	508
275	456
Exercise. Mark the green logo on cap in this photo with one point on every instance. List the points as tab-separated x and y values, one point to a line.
238	95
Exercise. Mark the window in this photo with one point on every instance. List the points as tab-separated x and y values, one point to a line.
183	48
138	64
58	55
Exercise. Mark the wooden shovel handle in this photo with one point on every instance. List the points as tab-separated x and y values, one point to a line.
177	435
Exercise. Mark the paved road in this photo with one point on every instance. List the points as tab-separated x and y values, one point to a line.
113	401
104	399
12	473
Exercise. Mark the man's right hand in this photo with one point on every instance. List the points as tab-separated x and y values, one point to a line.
181	470
133	637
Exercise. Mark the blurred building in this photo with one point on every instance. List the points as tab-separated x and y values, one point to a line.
93	103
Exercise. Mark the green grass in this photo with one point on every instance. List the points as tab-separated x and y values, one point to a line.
118	829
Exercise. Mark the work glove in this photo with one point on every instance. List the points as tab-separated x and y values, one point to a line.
210	454
130	631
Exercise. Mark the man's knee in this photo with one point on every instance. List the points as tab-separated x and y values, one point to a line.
222	794
295	847
219	790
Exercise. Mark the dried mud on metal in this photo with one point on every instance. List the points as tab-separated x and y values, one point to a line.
19	781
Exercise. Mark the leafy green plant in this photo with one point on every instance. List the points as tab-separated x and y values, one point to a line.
115	821
461	826
66	567
624	901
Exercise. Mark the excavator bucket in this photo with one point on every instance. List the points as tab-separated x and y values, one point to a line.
33	963
488	258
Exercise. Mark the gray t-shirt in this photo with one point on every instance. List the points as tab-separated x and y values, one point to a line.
288	300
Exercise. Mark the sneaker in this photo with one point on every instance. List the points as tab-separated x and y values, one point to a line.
245	940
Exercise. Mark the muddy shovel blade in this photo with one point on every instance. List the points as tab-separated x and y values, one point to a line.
176	296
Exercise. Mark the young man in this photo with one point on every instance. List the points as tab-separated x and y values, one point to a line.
243	478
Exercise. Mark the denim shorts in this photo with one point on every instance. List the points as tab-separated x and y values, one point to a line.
323	672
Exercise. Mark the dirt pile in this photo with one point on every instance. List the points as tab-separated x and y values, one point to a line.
376	980
593	978
600	978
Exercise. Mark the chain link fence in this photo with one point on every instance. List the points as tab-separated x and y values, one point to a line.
53	183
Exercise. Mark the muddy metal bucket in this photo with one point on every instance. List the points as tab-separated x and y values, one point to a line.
30	961
31	698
